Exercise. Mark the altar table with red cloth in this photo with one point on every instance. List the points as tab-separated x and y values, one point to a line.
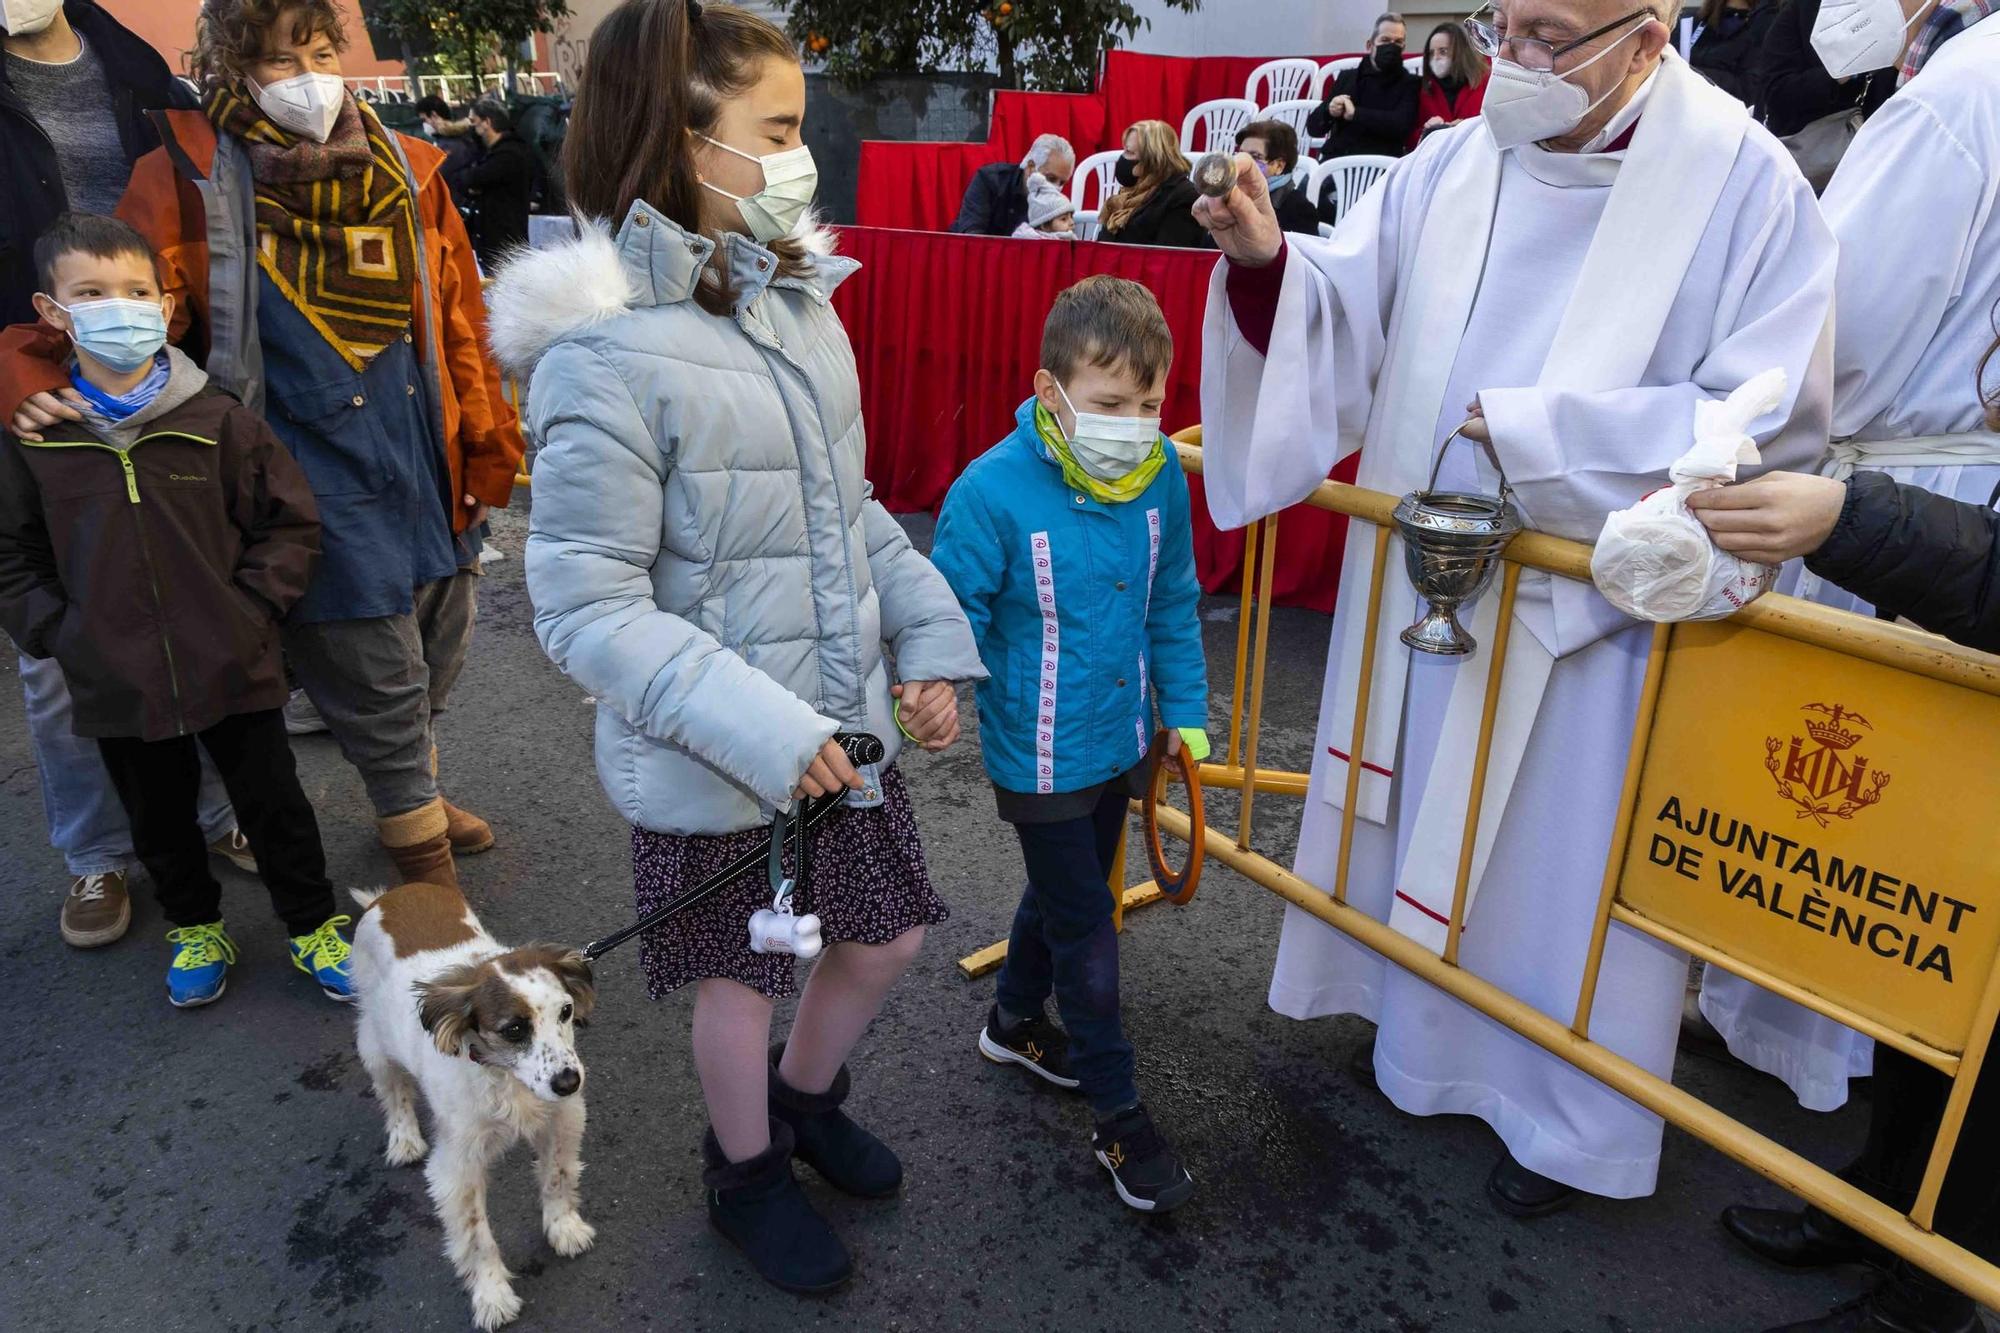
947	336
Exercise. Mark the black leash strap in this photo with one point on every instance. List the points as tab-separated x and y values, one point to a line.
861	749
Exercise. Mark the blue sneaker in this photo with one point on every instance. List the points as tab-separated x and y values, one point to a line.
322	956
202	955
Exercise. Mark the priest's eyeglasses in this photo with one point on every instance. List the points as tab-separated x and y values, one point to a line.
1532	53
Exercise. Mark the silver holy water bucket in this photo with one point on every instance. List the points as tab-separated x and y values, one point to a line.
1451	549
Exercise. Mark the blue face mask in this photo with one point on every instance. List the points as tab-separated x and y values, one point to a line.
116	332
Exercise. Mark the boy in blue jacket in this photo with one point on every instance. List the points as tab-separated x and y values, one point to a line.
1069	546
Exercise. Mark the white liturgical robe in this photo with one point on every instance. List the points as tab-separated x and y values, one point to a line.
1916	208
1589	301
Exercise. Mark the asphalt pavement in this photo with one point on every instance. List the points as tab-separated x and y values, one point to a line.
220	1169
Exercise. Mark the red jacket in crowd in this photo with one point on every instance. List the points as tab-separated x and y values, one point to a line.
1433	100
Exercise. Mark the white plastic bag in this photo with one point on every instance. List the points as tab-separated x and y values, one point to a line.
1655	561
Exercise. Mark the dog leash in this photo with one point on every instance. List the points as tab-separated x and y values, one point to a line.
861	749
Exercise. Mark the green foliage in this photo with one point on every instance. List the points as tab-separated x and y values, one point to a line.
469	36
1049	44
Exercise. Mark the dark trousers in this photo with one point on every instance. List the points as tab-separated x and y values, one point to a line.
157	781
1064	942
1909	1098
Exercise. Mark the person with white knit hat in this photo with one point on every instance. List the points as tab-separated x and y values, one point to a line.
1051	215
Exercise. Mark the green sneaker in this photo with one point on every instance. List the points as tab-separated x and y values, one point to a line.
322	956
202	955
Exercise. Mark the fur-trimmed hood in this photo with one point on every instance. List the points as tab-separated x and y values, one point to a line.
540	297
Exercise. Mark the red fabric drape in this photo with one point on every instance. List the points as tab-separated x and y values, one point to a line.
919	186
916	185
947	337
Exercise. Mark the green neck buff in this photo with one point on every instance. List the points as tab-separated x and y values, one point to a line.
1129	487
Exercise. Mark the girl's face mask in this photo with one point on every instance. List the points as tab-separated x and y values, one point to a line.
790	181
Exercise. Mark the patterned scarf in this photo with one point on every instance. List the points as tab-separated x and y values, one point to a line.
1947	21
335	228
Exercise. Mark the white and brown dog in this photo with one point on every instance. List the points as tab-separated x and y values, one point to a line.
489	1034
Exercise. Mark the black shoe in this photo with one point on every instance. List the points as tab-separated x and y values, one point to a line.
1519	1192
1361	1066
847	1156
1896	1307
1037	1045
1799	1237
1143	1168
761	1209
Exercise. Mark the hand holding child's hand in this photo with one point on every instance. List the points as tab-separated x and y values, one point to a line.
929	712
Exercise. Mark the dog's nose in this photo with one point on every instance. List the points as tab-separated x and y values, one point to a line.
565	1082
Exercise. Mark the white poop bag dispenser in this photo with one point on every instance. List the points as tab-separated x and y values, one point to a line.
1655	560
778	928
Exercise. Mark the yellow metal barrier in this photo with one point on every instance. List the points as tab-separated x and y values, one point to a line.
1935	686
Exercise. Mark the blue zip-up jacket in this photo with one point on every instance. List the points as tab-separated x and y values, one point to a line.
1085	614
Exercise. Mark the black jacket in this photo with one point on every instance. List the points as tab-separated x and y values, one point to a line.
1385	111
499	185
30	180
1165	219
1797	88
996	202
1295	211
1735	62
1912	553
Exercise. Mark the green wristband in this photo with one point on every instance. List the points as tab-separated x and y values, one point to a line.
1195	741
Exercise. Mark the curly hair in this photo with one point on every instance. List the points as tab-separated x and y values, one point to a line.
230	34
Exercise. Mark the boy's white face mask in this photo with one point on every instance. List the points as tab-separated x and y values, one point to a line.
1110	448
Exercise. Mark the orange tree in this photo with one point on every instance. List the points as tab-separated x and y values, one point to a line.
1050	44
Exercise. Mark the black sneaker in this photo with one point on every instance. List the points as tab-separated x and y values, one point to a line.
1143	1167
1037	1045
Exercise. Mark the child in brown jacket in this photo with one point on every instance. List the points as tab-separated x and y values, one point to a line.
151	549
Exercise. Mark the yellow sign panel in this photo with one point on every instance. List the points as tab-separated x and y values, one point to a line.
1829	820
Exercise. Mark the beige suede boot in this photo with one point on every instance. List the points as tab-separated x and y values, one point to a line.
469	834
419	843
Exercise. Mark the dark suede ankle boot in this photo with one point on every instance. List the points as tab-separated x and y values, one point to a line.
846	1155
761	1209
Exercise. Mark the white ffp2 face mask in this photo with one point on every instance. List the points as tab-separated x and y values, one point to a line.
1856	36
25	18
790	181
305	104
1440	68
1525	106
1110	448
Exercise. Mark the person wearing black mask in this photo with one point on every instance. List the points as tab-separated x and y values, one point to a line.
1373	107
1729	46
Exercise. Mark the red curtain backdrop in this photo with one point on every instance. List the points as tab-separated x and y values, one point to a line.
919	185
947	336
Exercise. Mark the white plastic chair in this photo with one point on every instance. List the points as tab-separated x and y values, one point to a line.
1294	114
1086	225
1101	168
1415	64
1280	81
1330	71
1212	126
1349	178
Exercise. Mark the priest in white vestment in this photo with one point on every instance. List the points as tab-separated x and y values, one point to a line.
1613	242
1916	207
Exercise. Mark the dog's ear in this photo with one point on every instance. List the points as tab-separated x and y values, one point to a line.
445	1007
572	969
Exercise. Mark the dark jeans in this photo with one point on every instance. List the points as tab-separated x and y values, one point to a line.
157	782
1063	941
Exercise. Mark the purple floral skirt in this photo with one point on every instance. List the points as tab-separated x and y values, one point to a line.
868	886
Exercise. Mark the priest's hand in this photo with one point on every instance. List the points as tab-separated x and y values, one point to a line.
1244	225
1773	518
1475	427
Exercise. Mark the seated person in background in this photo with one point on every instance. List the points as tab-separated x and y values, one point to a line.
1155	201
499	184
1452	86
1051	215
997	200
159	593
1729	45
1274	147
1373	107
1797	89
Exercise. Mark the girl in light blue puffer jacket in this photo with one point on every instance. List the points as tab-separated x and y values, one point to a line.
705	560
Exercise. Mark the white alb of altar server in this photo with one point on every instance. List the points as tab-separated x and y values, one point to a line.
1587	300
1916	207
